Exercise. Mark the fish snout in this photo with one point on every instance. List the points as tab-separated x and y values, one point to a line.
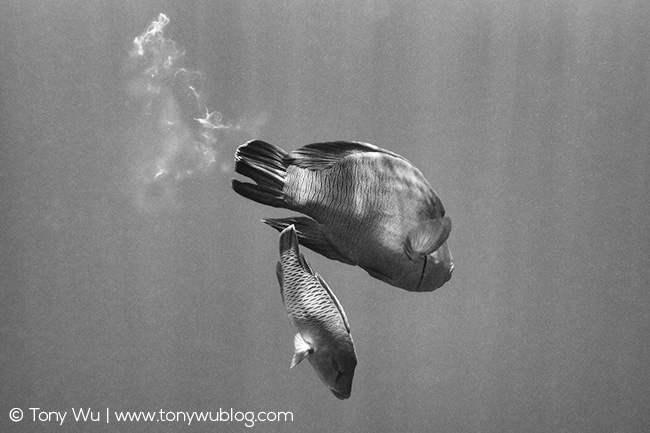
437	270
448	277
341	395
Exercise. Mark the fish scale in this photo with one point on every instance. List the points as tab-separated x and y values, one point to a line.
306	300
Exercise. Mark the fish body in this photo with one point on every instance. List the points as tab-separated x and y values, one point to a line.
322	332
365	206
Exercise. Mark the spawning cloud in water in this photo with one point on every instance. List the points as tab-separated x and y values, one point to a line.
173	134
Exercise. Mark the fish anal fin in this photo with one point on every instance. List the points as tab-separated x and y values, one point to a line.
312	235
427	237
280	275
302	350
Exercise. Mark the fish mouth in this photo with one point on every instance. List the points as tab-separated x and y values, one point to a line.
424	267
340	395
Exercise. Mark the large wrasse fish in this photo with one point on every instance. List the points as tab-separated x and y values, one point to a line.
365	206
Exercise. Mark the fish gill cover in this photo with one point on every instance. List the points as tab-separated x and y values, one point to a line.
174	132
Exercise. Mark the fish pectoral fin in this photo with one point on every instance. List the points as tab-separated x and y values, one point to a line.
427	237
311	234
303	349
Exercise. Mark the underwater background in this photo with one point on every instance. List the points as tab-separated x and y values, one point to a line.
134	279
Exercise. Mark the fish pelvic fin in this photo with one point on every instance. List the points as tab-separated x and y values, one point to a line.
302	350
427	237
264	164
312	235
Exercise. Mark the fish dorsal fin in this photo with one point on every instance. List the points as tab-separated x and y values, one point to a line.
336	302
305	264
321	156
427	237
302	350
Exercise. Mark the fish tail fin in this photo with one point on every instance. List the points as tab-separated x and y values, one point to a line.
288	240
264	164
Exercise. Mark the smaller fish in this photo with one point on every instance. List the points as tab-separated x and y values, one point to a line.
322	329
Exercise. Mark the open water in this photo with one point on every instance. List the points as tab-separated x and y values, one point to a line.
134	279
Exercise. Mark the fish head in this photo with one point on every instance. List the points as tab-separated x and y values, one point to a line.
335	368
420	273
437	269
